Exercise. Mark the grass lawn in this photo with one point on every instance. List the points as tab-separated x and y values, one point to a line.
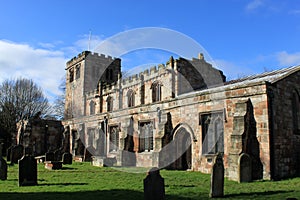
85	182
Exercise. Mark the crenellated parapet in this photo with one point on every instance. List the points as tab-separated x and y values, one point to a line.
146	75
81	56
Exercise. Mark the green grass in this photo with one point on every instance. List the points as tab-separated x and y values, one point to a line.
85	182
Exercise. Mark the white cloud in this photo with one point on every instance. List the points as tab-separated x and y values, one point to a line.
286	59
254	5
45	67
44	64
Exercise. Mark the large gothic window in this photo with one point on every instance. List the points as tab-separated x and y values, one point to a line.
109	104
145	136
130	98
296	112
212	133
156	91
113	138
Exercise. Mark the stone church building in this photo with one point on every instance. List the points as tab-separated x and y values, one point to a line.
179	115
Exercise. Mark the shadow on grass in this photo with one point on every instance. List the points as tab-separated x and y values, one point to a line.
68	168
105	194
62	184
258	193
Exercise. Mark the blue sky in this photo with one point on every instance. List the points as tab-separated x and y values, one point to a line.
241	36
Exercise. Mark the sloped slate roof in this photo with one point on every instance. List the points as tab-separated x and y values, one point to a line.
272	76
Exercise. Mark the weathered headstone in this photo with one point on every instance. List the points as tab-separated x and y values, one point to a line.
245	168
27	171
49	156
3	169
154	185
67	158
16	153
217	178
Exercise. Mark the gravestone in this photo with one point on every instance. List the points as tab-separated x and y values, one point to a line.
53	165
16	154
154	185
3	169
244	168
49	156
27	171
217	178
8	153
57	155
67	158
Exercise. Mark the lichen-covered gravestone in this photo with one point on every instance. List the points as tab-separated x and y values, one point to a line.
245	168
67	158
27	171
154	185
217	178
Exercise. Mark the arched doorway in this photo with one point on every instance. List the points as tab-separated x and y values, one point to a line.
183	149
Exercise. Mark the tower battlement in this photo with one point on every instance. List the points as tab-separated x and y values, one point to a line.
81	56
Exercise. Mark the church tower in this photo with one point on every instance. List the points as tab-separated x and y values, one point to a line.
84	73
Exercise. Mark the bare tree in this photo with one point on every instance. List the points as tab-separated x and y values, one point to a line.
20	99
59	103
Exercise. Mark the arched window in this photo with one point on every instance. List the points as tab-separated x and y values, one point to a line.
142	90
212	133
296	112
71	75
109	102
113	138
92	107
145	136
130	98
156	91
78	71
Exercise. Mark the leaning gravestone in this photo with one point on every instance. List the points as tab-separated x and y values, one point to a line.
154	185
49	156
67	158
245	168
3	169
16	153
27	171
217	178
